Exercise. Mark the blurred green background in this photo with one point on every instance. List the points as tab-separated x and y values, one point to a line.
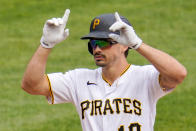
168	25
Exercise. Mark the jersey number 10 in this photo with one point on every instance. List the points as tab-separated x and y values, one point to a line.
132	126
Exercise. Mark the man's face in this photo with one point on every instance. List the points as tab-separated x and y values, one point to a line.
107	56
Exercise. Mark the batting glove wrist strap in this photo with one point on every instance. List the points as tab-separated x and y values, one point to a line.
127	35
54	31
45	44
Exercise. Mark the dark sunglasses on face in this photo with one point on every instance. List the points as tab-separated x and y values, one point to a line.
101	43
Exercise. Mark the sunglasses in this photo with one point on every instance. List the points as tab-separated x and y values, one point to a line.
101	43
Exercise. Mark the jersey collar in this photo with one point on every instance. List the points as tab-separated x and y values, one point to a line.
123	72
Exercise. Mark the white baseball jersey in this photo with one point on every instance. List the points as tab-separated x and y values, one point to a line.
129	104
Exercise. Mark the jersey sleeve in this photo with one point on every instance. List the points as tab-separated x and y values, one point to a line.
62	88
155	89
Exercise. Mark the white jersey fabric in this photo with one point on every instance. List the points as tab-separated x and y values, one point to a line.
129	104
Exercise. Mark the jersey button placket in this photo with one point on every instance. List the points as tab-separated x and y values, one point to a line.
110	88
106	122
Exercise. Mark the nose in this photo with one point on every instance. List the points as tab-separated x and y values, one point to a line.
96	49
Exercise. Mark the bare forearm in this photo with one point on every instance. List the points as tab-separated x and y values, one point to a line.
35	71
165	64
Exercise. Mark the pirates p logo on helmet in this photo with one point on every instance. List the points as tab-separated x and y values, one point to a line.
96	22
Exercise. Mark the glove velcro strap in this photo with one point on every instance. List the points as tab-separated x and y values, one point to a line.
45	45
137	45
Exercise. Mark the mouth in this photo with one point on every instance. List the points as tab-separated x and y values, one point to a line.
99	57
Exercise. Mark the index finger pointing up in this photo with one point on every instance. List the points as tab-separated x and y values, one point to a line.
117	16
66	16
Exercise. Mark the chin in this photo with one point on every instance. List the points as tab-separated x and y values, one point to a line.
101	64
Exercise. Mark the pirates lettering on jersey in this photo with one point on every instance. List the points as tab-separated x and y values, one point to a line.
111	106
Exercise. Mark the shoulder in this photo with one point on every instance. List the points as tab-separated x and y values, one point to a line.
143	68
76	74
145	71
84	72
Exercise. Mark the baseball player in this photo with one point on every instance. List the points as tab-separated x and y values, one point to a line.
117	96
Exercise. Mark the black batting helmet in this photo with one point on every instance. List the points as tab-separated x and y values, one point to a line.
99	28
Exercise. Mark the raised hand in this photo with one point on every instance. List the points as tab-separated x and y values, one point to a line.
55	31
127	34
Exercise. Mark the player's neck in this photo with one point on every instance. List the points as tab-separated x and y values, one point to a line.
114	71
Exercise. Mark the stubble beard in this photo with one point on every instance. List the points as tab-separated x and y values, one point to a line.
101	63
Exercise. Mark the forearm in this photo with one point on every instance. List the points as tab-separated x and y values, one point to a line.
164	63
35	81
35	71
172	72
